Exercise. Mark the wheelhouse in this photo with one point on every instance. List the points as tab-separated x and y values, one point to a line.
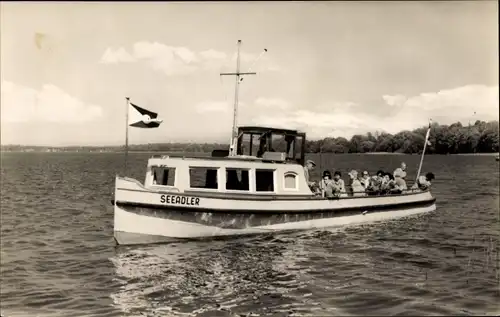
255	141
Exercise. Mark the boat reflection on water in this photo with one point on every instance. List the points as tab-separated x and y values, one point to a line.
249	275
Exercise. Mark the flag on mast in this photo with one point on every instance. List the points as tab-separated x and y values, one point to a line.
142	118
428	133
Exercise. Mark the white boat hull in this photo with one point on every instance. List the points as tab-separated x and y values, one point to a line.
143	217
131	228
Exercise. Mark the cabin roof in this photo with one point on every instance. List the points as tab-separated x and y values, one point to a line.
242	158
259	129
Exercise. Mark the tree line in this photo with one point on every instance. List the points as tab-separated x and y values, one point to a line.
481	137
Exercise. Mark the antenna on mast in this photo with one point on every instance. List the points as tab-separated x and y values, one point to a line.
234	135
255	62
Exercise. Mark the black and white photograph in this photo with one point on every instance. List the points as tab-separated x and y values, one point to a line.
253	158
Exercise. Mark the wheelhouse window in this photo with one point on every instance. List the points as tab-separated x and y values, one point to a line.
290	181
250	143
164	176
298	148
278	143
203	177
245	146
237	179
264	180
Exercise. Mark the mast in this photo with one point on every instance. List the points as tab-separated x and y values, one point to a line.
126	135
237	74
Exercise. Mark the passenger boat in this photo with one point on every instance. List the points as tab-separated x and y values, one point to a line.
257	186
196	197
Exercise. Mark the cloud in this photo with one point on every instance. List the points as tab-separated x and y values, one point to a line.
344	119
275	103
333	119
256	62
173	60
213	54
464	104
118	56
212	106
318	124
49	104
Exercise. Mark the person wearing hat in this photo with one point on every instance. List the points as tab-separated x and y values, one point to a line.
308	167
326	184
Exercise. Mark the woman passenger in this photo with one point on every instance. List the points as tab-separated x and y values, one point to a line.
399	182
387	183
375	184
357	188
338	185
424	182
365	180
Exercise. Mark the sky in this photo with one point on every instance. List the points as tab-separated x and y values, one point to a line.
331	68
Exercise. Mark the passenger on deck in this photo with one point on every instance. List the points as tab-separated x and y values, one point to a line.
357	188
326	185
399	182
380	174
387	184
401	171
376	183
403	168
424	182
338	185
365	180
309	167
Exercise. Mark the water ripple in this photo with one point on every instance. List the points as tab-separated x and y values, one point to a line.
58	257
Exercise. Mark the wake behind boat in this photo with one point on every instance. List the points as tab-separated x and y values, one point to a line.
259	185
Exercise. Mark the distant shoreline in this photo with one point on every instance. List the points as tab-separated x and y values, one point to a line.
193	153
386	153
479	139
477	154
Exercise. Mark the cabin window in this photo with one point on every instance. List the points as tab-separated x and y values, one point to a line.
237	179
298	147
203	177
264	180
244	145
278	143
164	176
255	144
290	181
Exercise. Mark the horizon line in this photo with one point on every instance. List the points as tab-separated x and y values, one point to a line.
223	143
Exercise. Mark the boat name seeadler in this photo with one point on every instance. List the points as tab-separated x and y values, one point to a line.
189	201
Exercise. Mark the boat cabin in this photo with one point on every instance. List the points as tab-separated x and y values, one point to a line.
268	162
236	176
255	141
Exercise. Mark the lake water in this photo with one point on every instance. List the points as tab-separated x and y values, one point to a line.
58	257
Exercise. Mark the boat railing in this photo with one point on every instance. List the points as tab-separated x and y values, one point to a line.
409	190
